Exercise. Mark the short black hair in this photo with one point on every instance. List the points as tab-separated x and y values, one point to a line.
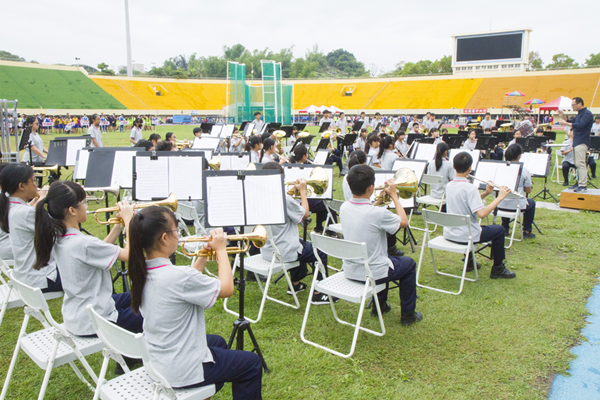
462	162
257	113
376	114
154	136
578	100
196	130
164	145
359	178
273	165
513	152
487	113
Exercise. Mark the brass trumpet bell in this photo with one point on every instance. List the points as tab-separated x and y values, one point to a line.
170	202
406	183
317	183
279	134
304	134
215	163
326	135
45	171
258	237
92	193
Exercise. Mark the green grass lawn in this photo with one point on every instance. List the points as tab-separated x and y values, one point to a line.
497	340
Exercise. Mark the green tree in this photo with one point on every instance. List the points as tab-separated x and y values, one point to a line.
234	52
535	61
5	55
561	61
103	67
123	71
594	60
345	62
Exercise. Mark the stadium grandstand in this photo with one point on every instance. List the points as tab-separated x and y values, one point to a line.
69	88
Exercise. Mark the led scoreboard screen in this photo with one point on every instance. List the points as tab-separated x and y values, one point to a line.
489	47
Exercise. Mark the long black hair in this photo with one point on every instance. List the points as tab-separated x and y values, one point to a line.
513	152
253	142
49	220
439	153
386	142
373	137
11	177
299	152
357	157
145	228
267	144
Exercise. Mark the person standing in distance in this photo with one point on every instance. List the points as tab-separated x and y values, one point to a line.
258	124
95	132
582	127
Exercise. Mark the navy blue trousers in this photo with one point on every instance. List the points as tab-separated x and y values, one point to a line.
404	272
495	234
307	256
528	216
127	320
54	286
242	368
318	208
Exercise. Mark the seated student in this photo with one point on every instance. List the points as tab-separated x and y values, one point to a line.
334	156
294	135
415	128
165	145
362	222
513	153
6	252
84	260
316	206
361	140
539	132
464	199
237	142
197	132
371	148
254	146
288	242
401	146
471	141
441	167
517	134
268	154
146	144
357	157
568	160
435	133
17	219
386	153
173	300
154	138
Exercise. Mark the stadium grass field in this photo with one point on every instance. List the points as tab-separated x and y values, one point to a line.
497	340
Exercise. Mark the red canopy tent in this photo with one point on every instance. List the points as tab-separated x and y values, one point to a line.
562	104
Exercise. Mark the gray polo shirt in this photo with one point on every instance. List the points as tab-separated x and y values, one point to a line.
84	262
446	171
36	141
511	203
568	145
173	304
239	148
402	147
286	236
96	134
387	160
468	145
21	224
136	135
346	188
6	252
485	124
258	125
464	199
362	222
375	159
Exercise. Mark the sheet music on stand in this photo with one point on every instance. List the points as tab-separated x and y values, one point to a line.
111	166
207	152
158	174
425	151
248	129
234	161
296	171
227	131
503	173
321	157
215	130
81	163
206	142
538	164
475	154
241	198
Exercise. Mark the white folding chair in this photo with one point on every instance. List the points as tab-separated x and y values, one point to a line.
333	205
428	199
9	298
260	266
516	216
439	243
135	384
188	212
52	346
338	285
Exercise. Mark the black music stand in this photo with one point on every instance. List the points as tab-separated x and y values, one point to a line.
206	127
348	141
219	193
414	136
357	126
486	143
305	141
324	127
530	143
454	142
427	140
300	127
243	125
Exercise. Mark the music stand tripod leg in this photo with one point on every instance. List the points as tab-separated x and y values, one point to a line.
242	324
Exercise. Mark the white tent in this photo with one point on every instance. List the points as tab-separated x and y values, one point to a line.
310	110
334	109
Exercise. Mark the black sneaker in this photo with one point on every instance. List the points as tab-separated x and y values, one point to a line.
593	176
528	235
321	298
332	234
408	319
318	230
416	212
500	271
506	232
132	363
565	184
575	186
470	266
300	287
580	189
395	252
385	308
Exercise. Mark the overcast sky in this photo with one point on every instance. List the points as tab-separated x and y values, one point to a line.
379	33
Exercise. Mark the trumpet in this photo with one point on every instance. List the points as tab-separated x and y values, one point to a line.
93	196
339	133
304	134
182	144
258	237
317	183
45	171
406	183
514	192
170	202
327	135
215	163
